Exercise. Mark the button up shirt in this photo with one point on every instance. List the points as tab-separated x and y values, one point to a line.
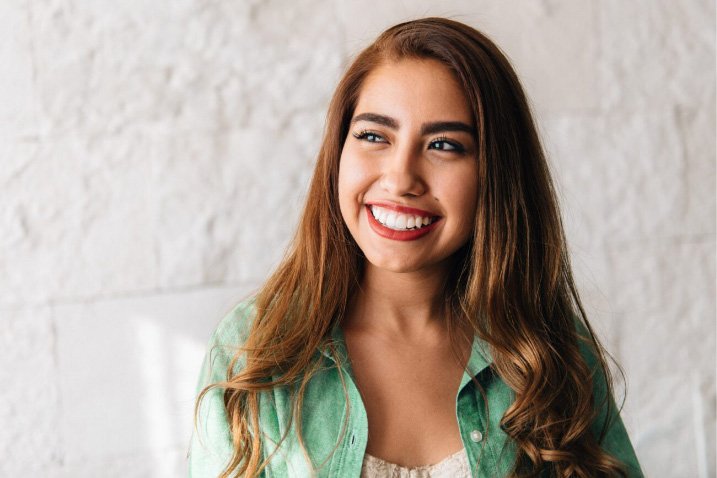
491	453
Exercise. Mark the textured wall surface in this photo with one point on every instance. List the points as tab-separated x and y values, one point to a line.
152	154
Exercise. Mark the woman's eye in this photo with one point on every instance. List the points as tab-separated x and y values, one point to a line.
369	136
445	145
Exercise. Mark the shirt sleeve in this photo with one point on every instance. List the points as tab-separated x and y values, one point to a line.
211	445
615	439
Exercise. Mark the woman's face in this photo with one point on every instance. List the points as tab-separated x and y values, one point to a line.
408	170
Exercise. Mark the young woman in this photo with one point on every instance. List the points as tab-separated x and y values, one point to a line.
425	321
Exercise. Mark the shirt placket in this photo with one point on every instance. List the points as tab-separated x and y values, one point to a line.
472	426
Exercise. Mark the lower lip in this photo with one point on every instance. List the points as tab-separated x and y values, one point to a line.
388	233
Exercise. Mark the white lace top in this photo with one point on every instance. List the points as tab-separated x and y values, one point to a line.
454	466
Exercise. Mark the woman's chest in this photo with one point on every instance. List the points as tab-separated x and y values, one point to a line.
409	394
335	426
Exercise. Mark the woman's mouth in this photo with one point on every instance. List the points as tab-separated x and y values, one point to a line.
400	223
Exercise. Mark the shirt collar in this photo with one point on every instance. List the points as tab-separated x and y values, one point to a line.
339	343
479	360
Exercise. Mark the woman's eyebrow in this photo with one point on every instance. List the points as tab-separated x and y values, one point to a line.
376	118
426	128
440	126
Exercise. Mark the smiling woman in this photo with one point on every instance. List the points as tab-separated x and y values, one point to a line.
425	320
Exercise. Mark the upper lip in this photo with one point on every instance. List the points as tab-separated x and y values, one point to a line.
403	209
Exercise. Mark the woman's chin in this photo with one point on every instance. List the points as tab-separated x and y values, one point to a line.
398	264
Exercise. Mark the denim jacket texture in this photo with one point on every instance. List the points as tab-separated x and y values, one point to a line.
490	452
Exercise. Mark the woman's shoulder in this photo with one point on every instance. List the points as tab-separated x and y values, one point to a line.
226	341
607	424
234	326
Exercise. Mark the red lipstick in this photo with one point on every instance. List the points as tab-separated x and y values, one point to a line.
409	235
403	209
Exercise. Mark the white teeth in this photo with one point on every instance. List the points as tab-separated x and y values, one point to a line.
401	221
397	221
391	220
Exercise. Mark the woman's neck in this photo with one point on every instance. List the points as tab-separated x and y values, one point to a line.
409	305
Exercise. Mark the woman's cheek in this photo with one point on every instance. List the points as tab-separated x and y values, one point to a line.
354	178
349	187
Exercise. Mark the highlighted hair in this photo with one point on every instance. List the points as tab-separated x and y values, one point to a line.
512	285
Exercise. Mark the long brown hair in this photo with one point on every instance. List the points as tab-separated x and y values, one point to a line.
512	286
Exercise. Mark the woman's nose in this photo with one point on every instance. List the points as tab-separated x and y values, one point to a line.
401	175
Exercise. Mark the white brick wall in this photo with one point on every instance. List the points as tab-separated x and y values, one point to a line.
149	151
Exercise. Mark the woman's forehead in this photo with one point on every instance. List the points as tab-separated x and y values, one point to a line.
408	88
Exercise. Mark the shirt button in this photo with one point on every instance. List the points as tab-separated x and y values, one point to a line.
476	436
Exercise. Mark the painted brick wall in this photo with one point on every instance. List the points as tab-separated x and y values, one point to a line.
152	155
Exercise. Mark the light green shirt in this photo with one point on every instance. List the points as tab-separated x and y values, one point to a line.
490	452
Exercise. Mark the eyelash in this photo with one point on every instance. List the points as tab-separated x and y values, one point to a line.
363	134
457	148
